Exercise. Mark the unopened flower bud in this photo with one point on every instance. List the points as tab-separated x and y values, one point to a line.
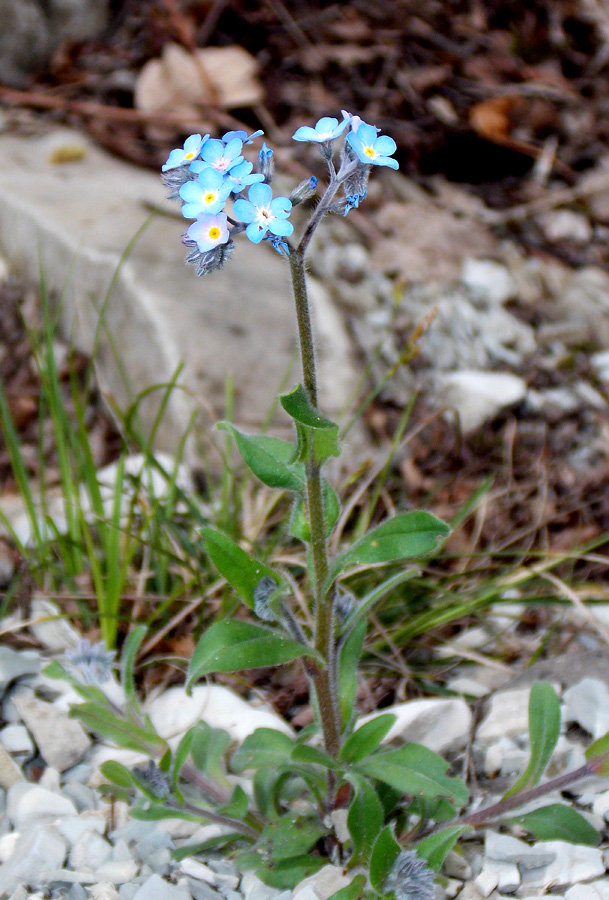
266	163
263	594
305	189
410	878
210	260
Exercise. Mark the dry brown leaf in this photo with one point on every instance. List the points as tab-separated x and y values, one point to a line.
181	82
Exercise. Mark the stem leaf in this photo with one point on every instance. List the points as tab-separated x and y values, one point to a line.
558	822
544	731
384	853
434	847
315	431
240	569
367	738
269	458
413	769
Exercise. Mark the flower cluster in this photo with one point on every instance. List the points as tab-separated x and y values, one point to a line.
206	173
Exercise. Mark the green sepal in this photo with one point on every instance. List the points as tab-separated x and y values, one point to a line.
384	854
544	731
558	822
269	458
231	645
240	569
367	738
408	534
264	747
317	435
414	769
434	847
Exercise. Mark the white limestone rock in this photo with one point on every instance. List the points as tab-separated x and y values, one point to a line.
322	883
174	712
595	890
489	280
440	725
477	396
508	716
156	888
29	803
39	852
507	849
572	863
62	741
587	703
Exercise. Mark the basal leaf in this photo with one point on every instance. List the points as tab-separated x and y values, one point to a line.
104	722
558	822
544	731
413	769
406	535
366	739
349	655
264	747
269	458
434	847
290	836
365	818
304	753
240	569
230	646
384	853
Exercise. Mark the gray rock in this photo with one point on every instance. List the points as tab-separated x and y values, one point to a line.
477	396
155	888
489	280
30	803
441	725
50	626
104	891
16	739
508	849
89	852
596	890
508	716
587	703
62	741
10	773
573	863
238	322
323	883
31	31
73	827
14	664
38	853
117	871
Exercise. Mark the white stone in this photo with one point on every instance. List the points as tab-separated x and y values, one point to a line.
477	396
508	849
72	827
10	773
440	725
51	627
456	866
325	882
16	739
14	664
565	224
253	888
572	863
8	842
596	890
29	803
508	877
39	852
117	871
489	280
468	687
156	888
486	882
237	323
587	703
196	869
62	741
104	891
89	852
508	716
600	806
174	712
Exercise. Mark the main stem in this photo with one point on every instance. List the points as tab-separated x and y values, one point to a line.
324	680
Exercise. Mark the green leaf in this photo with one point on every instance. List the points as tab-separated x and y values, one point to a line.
269	458
413	769
264	747
230	646
365	818
352	891
102	721
208	749
349	655
128	655
544	731
240	569
289	836
303	753
287	873
595	753
237	806
384	853
299	525
118	774
406	535
315	432
367	738
558	822
434	847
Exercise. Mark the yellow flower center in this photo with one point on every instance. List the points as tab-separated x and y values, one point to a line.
214	233
210	197
369	152
189	155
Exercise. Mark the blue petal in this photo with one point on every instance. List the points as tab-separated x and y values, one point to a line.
212	151
281	207
366	134
255	232
244	210
326	124
260	194
385	146
387	161
281	226
305	133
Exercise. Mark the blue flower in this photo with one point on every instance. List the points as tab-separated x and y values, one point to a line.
262	213
239	177
242	136
370	149
190	151
327	129
205	195
208	231
222	157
